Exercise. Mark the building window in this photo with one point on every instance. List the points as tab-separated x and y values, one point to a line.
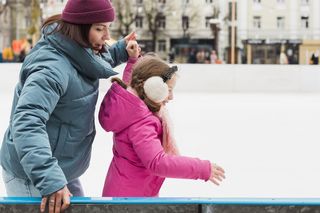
139	22
208	21
304	22
209	1
162	22
139	1
280	23
162	1
162	46
304	2
280	1
185	22
257	22
28	21
256	5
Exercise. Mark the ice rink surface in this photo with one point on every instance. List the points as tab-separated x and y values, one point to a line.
268	143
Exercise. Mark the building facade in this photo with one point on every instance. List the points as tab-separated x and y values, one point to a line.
263	29
177	30
51	7
269	27
15	19
182	26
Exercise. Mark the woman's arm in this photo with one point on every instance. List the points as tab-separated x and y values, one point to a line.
38	98
117	52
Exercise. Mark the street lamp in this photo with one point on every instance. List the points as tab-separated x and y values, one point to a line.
185	25
215	27
233	31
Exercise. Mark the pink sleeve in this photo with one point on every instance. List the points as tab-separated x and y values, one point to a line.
150	151
128	70
102	114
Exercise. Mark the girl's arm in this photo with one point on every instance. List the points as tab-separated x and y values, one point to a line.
128	70
147	146
133	50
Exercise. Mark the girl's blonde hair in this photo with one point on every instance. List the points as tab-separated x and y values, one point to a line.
146	67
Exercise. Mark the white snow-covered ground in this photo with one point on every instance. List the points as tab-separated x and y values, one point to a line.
268	143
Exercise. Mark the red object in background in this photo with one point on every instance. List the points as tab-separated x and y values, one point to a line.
16	46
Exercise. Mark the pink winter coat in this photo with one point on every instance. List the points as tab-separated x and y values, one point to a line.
140	165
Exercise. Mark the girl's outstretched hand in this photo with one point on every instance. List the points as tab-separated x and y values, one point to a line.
217	174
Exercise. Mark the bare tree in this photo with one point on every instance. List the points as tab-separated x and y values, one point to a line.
215	25
33	29
189	14
155	13
3	6
126	16
215	11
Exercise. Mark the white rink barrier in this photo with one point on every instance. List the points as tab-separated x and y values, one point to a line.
206	78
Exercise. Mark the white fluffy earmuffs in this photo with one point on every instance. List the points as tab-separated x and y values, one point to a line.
156	89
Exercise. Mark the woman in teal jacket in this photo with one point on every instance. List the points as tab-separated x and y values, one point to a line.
47	145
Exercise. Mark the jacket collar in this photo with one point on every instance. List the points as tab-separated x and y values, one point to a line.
83	59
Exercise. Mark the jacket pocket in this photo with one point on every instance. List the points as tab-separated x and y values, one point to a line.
7	177
68	149
60	149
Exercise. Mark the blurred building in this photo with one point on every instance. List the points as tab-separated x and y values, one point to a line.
51	7
177	30
15	19
265	28
181	26
21	19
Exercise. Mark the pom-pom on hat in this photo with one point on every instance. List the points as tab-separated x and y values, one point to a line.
156	89
88	11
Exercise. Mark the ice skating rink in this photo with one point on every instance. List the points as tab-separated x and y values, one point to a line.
267	141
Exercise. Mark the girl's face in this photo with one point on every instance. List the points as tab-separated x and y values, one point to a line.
98	34
171	84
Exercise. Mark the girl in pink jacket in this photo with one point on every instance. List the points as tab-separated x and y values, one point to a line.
144	152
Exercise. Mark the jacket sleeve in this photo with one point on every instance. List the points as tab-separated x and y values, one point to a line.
128	70
150	151
102	112
118	53
38	98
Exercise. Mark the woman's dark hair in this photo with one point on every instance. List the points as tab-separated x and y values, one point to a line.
77	32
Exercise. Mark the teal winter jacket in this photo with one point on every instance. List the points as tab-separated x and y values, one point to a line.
51	128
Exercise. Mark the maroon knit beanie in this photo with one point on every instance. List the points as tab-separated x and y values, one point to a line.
88	11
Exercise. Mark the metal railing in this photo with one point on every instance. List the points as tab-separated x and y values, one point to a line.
169	204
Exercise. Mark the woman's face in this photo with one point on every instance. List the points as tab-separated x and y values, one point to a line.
98	34
171	84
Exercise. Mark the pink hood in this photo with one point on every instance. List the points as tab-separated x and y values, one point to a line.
119	104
